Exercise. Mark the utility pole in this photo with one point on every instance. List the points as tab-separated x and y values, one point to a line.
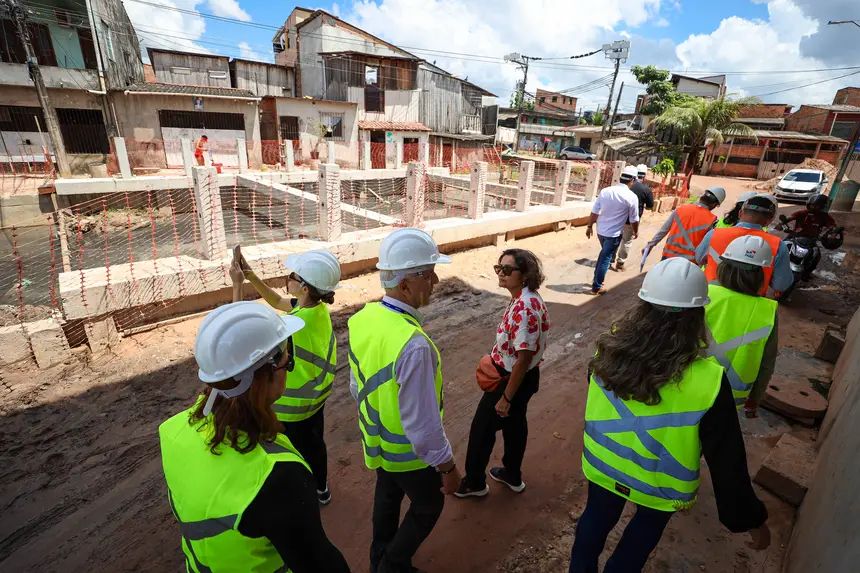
614	113
523	62
618	51
52	124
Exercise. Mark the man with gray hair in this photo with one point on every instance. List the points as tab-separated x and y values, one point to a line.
396	378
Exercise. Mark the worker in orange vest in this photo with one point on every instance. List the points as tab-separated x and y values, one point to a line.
756	213
688	224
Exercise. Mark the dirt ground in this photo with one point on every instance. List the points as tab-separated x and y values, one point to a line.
81	486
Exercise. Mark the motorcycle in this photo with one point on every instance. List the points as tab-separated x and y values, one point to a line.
804	252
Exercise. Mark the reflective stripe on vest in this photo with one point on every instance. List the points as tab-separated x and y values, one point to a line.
743	323
690	224
208	523
617	439
303	397
377	336
721	238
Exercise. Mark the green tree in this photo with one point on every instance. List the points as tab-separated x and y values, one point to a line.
661	92
598	118
515	102
699	123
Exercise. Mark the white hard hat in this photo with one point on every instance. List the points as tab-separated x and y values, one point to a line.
408	249
749	249
675	282
641	169
629	172
745	196
718	193
762	203
236	339
319	269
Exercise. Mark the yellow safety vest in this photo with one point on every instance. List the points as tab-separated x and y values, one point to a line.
650	454
377	336
208	494
309	384
739	326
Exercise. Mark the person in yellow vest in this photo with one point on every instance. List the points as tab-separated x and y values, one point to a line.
655	405
687	225
301	408
242	494
396	379
742	325
755	215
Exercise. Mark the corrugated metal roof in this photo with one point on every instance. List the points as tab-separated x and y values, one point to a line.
177	89
762	120
393	125
835	107
796	135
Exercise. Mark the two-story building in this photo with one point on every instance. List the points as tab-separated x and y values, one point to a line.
554	102
540	131
85	49
711	87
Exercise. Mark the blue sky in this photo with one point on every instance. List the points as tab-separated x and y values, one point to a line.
751	40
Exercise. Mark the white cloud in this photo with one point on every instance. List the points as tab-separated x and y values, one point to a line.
662	23
248	53
168	29
228	9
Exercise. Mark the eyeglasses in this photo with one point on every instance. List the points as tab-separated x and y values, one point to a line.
278	356
506	270
297	278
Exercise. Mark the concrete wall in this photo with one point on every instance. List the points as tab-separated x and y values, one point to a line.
691	87
138	119
400	105
54	77
308	112
825	539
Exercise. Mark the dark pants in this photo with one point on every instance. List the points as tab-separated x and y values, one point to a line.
515	431
608	246
392	547
602	512
308	436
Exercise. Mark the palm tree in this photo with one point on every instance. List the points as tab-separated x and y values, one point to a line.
700	122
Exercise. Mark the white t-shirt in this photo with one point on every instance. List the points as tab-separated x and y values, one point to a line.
616	205
524	326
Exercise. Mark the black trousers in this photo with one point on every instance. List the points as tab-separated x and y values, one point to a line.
602	512
395	542
308	436
515	431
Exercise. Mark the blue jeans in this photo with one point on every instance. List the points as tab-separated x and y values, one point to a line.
602	511
608	246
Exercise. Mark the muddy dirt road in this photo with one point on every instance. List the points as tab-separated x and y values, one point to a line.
81	485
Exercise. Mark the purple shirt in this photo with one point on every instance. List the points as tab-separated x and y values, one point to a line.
415	371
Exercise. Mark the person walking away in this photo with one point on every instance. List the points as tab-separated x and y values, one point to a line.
742	326
301	408
396	378
646	201
687	225
242	494
614	207
731	218
757	213
202	145
812	222
521	339
674	407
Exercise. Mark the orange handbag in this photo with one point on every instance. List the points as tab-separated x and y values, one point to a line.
487	374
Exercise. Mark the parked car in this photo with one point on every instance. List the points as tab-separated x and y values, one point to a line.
576	153
800	184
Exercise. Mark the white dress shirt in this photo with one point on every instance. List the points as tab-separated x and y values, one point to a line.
616	205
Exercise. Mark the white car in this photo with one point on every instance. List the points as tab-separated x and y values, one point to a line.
576	153
801	184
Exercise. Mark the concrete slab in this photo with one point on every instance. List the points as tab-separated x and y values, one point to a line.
48	342
14	346
830	346
102	334
787	471
794	398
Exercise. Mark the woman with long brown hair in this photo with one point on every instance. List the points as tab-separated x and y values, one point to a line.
655	405
242	494
515	357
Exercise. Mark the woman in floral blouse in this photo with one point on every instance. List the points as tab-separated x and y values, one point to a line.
520	344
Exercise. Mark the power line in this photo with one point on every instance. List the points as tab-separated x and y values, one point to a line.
807	85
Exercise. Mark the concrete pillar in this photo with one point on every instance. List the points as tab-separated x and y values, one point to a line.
207	195
242	152
398	154
415	189
524	195
477	185
424	151
122	156
617	168
331	153
592	181
289	156
187	156
330	226
562	182
366	162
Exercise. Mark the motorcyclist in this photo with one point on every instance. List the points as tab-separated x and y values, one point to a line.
813	221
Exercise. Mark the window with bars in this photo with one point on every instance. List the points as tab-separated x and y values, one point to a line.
201	120
334	123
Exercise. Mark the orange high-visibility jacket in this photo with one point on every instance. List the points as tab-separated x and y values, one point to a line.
690	224
721	238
